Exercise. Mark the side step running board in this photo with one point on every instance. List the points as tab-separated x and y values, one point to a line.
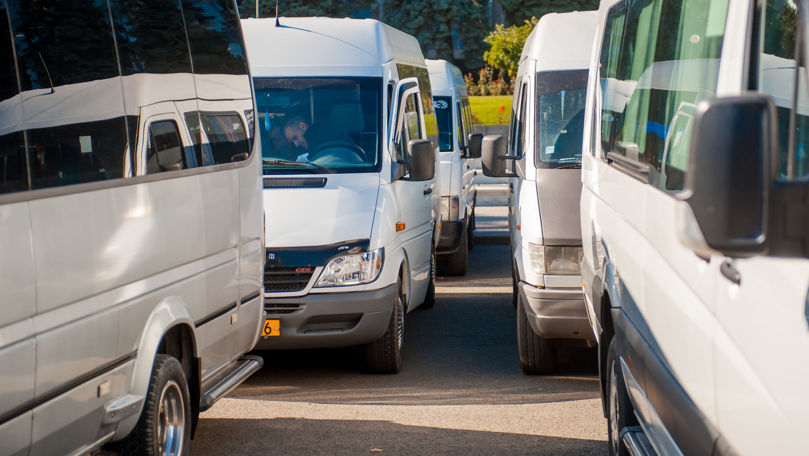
237	373
635	441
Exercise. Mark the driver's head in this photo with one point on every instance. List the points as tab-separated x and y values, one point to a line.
295	132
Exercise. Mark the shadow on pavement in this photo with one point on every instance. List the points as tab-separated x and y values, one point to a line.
304	436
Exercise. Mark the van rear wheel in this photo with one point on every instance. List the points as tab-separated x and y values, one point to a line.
429	299
456	262
164	427
619	407
384	356
537	355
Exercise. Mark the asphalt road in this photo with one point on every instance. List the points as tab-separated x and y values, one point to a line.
461	390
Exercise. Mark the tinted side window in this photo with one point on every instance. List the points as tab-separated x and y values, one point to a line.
77	153
164	152
214	36
443	114
12	163
777	73
411	126
150	36
667	62
227	137
12	145
71	46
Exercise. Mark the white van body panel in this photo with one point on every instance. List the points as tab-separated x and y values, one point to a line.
346	204
730	348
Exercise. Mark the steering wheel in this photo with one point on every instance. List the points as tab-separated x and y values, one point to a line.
351	147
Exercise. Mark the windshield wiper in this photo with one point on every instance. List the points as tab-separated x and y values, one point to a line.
296	163
569	166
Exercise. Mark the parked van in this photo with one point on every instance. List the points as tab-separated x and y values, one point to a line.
350	149
544	150
130	224
694	220
460	153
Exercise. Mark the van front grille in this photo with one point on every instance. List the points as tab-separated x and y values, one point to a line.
273	308
278	279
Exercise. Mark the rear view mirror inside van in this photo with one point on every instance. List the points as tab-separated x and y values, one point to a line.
729	176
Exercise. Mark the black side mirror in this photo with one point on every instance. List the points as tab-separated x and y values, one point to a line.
493	155
422	159
727	186
475	142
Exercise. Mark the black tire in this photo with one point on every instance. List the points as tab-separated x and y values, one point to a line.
537	355
456	262
515	291
168	386
470	231
429	299
384	356
619	407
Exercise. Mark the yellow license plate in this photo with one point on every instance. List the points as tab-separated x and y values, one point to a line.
272	328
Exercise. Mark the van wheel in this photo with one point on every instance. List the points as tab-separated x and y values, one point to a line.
456	262
619	408
429	299
164	427
515	291
470	231
537	355
384	356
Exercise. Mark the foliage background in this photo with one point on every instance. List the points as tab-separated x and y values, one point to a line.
447	29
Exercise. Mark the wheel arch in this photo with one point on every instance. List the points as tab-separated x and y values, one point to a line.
168	328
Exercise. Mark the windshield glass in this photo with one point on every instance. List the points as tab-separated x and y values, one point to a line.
319	125
443	114
560	118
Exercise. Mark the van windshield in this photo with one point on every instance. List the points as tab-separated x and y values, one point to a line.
319	125
560	118
443	114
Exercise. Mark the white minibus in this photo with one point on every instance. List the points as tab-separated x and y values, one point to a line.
459	161
545	144
350	150
695	225
131	248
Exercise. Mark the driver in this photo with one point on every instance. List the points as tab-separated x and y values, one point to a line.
305	138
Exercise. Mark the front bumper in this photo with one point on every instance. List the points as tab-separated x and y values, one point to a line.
329	320
449	239
556	313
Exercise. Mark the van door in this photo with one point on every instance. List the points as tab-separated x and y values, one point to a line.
762	306
17	347
414	198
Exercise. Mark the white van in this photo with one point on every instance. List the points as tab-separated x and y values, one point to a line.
460	159
350	153
131	248
545	146
695	222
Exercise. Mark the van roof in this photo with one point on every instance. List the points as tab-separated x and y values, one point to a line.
321	46
562	41
444	76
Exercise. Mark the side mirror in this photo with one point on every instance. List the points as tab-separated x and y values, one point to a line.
493	155
475	141
422	159
727	186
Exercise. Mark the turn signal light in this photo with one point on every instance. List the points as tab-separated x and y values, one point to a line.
518	227
400	226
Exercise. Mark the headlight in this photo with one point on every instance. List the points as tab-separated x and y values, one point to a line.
449	208
560	260
352	269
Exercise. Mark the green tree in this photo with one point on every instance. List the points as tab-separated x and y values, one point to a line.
506	45
436	23
518	11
